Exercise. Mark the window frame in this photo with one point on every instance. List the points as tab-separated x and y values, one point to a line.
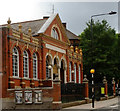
13	57
36	66
27	64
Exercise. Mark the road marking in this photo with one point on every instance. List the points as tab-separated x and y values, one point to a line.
114	106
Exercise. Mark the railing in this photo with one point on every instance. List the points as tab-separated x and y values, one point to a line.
97	91
74	92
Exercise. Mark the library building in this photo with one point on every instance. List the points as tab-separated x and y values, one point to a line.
36	58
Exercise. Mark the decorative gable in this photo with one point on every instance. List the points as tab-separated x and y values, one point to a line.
53	27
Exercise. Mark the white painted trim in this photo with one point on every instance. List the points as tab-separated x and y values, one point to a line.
47	23
55	48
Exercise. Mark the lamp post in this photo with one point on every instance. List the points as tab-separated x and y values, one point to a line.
92	71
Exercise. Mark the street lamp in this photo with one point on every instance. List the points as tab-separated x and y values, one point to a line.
92	70
110	13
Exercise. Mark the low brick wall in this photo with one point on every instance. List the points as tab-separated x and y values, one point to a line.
50	98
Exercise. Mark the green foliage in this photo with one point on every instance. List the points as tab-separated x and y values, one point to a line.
101	51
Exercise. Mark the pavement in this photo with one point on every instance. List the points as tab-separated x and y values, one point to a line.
97	105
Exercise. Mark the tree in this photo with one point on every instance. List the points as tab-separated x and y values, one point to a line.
99	52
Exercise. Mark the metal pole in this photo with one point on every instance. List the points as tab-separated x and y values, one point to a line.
92	64
93	90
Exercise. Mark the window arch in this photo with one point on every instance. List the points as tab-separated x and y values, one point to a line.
35	67
54	33
25	64
15	62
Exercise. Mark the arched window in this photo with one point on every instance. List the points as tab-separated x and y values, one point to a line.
15	62
70	72
25	64
75	72
79	74
54	33
35	66
48	70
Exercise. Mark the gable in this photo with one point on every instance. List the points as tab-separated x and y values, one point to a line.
54	22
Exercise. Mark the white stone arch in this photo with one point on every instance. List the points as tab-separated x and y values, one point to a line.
58	67
63	58
55	26
48	54
58	60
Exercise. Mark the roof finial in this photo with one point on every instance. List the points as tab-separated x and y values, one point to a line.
29	31
9	22
20	27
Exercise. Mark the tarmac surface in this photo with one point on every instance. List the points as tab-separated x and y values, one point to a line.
106	105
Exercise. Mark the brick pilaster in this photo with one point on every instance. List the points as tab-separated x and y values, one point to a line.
85	81
106	87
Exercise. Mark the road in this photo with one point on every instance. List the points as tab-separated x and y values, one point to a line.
106	105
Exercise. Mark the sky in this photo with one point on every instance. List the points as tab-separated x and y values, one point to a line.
75	13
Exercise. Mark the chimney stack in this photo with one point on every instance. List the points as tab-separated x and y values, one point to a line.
64	24
45	17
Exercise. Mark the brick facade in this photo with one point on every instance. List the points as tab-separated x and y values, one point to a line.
59	52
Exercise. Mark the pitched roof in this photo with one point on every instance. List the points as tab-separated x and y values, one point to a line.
40	26
35	25
71	35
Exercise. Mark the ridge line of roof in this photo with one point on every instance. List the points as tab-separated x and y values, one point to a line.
24	22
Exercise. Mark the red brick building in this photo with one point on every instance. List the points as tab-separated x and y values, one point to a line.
36	58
